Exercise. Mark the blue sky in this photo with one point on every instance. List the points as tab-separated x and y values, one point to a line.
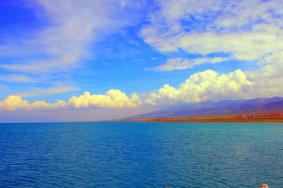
66	55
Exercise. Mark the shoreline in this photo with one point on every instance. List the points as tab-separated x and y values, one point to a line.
267	118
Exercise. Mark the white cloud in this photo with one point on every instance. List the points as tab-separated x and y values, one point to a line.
16	78
184	63
248	30
14	102
268	79
57	89
252	45
72	27
111	99
203	86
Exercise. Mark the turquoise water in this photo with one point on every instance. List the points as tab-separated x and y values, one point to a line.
141	155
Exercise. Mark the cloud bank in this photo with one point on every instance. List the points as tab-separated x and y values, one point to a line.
15	102
199	87
111	99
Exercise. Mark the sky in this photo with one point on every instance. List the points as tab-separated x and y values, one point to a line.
89	60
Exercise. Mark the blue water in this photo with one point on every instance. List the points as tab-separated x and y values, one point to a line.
141	155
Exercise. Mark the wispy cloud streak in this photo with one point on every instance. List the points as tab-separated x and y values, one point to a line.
72	27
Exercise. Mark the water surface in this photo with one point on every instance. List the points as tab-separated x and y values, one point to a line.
141	155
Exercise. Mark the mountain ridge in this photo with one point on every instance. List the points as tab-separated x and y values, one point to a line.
217	108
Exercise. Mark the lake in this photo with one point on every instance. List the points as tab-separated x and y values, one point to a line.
141	155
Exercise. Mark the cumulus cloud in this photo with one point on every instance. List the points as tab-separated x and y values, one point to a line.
184	63
15	102
111	99
248	30
203	86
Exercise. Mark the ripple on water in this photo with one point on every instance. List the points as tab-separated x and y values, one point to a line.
141	155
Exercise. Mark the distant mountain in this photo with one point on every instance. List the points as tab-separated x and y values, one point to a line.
219	108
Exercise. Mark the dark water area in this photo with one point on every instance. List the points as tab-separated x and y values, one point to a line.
140	155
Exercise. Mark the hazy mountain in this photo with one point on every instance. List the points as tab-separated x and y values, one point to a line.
219	108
